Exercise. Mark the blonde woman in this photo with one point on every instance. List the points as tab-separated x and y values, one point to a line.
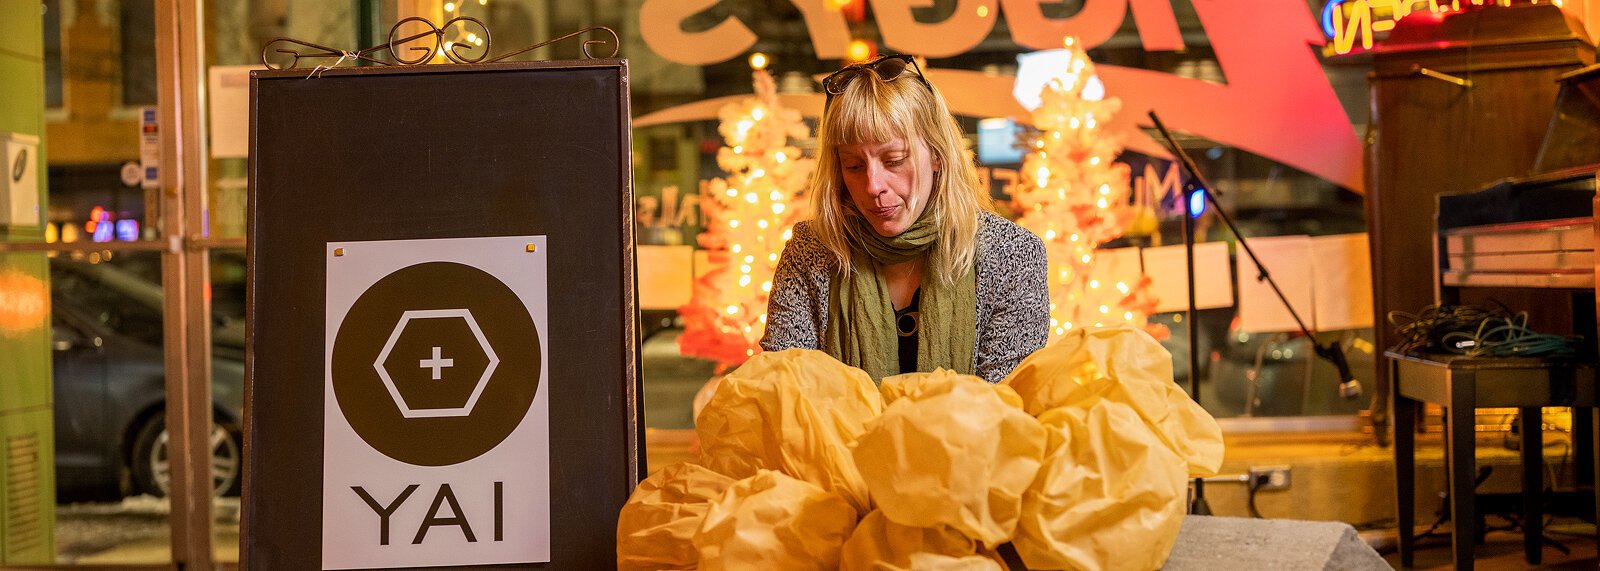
904	267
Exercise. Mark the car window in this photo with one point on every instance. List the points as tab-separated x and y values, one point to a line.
63	335
108	302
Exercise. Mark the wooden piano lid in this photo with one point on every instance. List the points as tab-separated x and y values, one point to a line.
1573	137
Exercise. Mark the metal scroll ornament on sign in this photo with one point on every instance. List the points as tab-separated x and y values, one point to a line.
471	45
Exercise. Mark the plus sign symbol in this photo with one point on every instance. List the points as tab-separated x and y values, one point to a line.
436	363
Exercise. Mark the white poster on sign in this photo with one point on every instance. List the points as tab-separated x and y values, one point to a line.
1288	259
436	441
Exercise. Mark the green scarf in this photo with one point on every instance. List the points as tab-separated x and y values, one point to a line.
861	323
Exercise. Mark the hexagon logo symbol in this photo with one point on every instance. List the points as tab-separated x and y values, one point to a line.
436	363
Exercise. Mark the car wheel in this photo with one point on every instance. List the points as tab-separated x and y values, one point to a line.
152	473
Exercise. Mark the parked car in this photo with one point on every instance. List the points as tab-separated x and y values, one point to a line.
110	386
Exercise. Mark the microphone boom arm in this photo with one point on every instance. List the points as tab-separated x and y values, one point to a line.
1349	387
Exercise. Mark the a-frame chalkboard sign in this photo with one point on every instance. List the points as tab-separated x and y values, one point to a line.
442	366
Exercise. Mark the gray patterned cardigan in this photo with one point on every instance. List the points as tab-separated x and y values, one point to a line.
1013	295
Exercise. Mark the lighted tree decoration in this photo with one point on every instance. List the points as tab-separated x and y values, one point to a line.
748	217
1075	196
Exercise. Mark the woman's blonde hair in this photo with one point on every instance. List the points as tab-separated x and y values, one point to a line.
872	110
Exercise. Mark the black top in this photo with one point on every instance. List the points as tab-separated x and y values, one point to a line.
907	321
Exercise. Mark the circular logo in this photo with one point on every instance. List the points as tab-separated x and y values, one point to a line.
132	174
436	363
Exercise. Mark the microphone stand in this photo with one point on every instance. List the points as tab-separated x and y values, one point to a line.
1349	387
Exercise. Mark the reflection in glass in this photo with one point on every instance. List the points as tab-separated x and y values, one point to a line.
106	359
107	363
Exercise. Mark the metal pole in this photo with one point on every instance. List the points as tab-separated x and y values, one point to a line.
1197	505
179	72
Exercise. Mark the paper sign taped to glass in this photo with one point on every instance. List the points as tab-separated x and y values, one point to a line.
1079	459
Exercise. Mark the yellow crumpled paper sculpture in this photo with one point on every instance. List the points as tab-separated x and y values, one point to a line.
770	522
940	381
657	526
794	411
1123	440
882	545
951	452
1127	365
1092	510
954	466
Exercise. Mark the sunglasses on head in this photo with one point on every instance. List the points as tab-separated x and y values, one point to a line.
887	68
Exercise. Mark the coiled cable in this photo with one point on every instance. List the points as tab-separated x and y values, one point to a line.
1476	331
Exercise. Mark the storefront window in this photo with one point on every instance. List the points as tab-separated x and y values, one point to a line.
107	363
1244	373
102	216
101	221
97	273
100	88
1267	373
137	51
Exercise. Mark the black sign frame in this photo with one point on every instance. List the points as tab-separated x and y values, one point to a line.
442	151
